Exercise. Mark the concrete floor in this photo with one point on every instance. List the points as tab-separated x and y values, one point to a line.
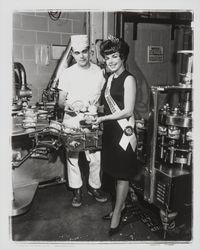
52	218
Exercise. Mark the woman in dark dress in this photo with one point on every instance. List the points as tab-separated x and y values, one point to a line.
119	141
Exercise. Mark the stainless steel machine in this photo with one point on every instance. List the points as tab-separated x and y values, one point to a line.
168	156
39	134
21	92
51	92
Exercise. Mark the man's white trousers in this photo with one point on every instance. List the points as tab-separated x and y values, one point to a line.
74	174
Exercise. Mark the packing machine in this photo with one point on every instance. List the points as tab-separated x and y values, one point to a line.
168	144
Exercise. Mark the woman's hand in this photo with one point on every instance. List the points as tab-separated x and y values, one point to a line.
99	120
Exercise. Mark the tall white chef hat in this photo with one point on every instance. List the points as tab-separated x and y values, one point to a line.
79	42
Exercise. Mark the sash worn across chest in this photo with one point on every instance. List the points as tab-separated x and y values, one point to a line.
127	126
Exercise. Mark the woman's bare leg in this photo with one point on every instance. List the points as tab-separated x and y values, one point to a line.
121	194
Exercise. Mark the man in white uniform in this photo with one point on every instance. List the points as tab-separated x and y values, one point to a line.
83	82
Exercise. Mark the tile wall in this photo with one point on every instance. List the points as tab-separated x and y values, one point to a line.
34	29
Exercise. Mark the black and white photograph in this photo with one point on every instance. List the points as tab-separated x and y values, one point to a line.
101	141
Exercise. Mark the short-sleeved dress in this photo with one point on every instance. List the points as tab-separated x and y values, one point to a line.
116	162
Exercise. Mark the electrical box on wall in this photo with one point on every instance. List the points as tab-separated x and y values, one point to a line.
57	51
155	54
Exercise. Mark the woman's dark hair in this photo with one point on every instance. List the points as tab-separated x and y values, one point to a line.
113	45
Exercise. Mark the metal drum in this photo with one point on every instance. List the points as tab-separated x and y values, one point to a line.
179	121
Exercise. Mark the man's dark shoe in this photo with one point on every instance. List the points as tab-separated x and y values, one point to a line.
97	194
77	200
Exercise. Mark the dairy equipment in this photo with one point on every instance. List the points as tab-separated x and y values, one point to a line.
51	92
21	92
168	156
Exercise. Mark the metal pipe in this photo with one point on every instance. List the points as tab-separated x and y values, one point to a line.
162	147
189	157
16	165
172	150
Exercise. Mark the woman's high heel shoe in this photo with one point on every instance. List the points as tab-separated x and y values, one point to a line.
109	216
115	230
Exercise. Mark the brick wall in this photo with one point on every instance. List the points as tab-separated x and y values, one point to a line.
36	28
